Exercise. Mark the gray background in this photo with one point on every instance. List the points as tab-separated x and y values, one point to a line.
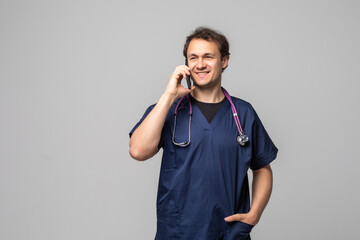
76	76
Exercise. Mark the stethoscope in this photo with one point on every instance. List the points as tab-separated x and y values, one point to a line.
242	138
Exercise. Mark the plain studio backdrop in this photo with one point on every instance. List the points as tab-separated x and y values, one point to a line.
76	76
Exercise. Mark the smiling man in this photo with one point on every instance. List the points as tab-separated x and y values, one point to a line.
203	190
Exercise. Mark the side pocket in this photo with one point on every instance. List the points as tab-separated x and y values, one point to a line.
168	158
239	231
168	226
166	200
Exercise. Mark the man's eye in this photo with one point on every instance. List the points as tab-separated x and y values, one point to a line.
208	56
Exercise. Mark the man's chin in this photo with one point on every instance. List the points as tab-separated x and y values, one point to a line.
203	85
201	82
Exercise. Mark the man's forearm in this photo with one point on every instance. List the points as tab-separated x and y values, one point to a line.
145	140
261	191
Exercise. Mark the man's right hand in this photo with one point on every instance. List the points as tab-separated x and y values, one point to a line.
174	87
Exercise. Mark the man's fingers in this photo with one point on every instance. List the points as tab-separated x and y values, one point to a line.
184	75
235	217
181	74
232	218
174	86
183	69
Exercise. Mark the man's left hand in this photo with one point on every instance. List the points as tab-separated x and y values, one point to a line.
243	217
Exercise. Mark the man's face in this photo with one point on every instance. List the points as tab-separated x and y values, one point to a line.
205	63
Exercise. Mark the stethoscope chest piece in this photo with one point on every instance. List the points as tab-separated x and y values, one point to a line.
242	139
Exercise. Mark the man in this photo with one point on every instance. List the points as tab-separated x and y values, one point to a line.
203	188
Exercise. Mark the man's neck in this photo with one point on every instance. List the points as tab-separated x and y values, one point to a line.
208	95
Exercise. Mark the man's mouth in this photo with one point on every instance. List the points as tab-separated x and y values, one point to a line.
202	74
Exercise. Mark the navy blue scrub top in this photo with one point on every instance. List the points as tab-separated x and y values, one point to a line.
205	182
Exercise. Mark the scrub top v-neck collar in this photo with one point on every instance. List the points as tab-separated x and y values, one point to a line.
225	107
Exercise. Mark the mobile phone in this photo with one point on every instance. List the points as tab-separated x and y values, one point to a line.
187	76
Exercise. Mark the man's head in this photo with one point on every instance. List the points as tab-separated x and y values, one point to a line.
208	34
207	52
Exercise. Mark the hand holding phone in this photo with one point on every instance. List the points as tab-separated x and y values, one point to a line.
187	76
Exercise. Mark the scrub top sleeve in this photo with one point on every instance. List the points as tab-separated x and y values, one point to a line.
148	110
264	150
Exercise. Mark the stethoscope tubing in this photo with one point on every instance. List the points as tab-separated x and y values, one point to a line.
242	138
233	109
186	143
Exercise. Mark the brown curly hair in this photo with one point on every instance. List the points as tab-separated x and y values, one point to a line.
208	34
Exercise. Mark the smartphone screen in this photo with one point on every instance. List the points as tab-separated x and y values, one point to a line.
187	76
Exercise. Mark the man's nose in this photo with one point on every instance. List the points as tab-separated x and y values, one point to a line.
200	64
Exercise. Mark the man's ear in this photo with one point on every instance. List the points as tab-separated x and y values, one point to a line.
225	62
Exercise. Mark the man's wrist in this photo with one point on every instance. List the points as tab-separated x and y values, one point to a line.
254	216
168	97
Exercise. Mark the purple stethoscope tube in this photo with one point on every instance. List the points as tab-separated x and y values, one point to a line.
242	138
